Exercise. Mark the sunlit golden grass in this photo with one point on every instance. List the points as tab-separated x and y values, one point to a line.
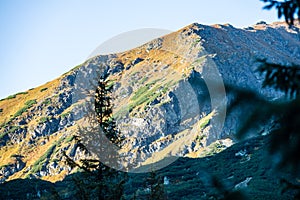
11	106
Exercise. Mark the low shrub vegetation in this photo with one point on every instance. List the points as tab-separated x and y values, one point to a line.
13	96
43	120
64	115
28	104
47	102
37	166
43	89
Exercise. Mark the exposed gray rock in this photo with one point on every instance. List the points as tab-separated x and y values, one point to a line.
22	122
8	170
136	61
47	128
155	44
115	67
243	184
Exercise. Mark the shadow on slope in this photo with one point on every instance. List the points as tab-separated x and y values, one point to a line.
245	166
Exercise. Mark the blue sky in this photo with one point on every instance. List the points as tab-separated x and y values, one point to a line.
40	40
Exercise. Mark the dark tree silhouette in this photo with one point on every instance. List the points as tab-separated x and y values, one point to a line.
103	108
155	184
283	114
287	9
109	182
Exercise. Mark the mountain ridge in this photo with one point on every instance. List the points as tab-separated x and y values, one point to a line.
151	84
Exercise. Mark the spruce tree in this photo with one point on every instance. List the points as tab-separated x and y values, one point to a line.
103	108
107	181
113	189
155	184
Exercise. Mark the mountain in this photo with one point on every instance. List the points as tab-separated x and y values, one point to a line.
169	100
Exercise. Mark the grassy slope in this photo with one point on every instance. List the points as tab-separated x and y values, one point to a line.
10	106
13	103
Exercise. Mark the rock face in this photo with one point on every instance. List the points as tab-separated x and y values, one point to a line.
10	169
169	97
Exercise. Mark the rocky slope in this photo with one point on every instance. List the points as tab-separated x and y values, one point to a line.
169	99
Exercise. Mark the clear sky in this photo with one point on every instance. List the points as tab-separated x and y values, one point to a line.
40	40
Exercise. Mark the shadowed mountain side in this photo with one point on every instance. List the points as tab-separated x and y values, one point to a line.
244	166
